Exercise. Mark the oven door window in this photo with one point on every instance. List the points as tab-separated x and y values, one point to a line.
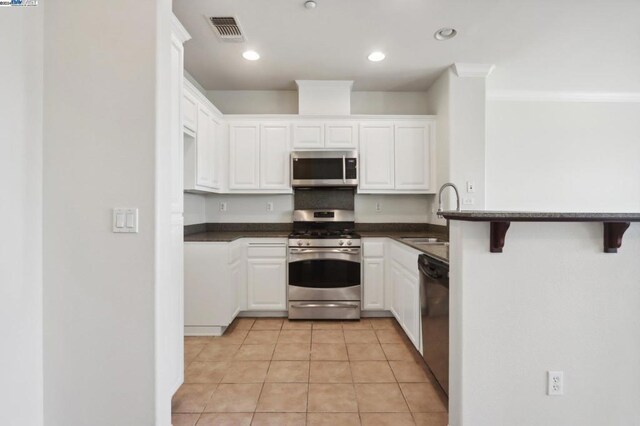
317	168
329	273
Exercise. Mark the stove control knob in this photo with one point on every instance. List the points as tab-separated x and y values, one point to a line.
341	242
308	243
300	242
349	243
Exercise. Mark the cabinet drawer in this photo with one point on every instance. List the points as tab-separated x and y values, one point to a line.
373	248
258	250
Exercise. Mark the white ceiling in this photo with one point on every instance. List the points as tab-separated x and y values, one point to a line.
569	45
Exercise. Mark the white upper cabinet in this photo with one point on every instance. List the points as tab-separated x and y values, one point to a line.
201	142
397	157
189	111
259	157
244	156
213	162
341	134
308	135
204	148
413	156
320	134
275	146
376	156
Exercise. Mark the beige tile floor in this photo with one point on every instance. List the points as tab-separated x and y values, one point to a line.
296	373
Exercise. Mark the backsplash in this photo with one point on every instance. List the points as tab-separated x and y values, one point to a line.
252	208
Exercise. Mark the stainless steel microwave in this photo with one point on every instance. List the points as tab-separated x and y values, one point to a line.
324	168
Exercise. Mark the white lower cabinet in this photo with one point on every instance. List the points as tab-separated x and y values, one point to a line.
267	275
208	287
223	279
405	289
373	272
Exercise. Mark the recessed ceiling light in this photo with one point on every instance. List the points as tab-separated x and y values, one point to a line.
310	4
376	56
445	34
251	55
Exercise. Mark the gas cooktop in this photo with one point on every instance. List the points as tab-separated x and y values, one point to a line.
323	233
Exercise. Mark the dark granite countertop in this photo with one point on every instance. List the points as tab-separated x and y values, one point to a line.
228	236
513	216
217	232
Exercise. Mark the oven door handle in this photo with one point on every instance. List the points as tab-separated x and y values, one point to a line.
351	251
325	305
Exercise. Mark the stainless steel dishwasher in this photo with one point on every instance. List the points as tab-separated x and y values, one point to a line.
434	306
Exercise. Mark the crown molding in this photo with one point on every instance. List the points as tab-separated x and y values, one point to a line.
548	96
179	30
472	70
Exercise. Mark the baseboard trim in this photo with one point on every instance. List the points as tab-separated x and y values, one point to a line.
207	330
218	330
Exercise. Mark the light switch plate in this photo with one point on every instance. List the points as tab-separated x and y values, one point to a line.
125	220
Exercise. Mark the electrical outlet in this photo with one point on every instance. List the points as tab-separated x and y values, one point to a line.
223	206
269	206
378	207
468	201
555	383
471	187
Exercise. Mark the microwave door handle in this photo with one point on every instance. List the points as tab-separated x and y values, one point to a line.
344	169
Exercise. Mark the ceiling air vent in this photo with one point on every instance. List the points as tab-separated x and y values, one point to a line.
227	28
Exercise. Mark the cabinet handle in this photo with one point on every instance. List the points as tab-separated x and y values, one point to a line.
344	169
325	305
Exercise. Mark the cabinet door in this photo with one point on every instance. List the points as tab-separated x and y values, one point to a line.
373	283
234	288
411	307
206	278
213	152
397	299
203	149
308	135
376	156
275	145
189	111
341	135
413	156
267	285
244	156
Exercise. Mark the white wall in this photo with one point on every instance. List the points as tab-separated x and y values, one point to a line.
254	101
571	156
21	371
388	103
459	103
99	153
249	208
286	102
394	208
194	209
438	97
552	301
467	138
253	208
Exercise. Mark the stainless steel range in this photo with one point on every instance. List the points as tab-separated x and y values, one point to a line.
324	265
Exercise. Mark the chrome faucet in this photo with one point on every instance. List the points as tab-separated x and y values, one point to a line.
442	188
